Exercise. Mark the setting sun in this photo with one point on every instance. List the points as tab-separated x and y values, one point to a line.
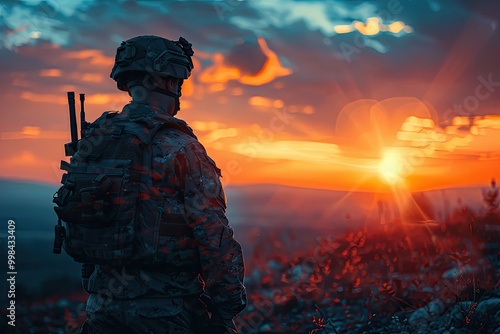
390	167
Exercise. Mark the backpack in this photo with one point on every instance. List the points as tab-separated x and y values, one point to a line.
108	202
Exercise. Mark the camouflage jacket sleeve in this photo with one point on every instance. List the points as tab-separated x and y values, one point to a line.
220	254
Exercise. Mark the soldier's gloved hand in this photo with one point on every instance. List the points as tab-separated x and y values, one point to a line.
217	325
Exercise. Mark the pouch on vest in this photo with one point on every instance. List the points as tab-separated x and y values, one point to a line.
108	198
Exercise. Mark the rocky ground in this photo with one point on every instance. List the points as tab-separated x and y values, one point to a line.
429	278
438	278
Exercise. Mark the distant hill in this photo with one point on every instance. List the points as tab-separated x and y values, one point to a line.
283	205
30	206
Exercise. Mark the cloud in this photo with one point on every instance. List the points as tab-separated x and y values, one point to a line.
33	132
30	130
51	72
97	99
369	125
25	26
207	126
330	18
24	158
220	134
91	57
305	151
214	131
271	70
91	77
460	136
420	131
301	109
487	121
260	101
47	98
220	72
58	135
28	165
68	8
373	26
369	128
317	15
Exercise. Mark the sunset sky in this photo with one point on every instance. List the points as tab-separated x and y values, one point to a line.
344	95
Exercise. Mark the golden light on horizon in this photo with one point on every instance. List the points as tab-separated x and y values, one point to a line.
294	150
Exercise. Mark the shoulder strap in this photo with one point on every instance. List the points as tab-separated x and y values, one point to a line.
175	123
101	121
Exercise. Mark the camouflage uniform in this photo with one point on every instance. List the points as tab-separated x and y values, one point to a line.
210	259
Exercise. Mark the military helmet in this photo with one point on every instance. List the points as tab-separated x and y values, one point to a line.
152	55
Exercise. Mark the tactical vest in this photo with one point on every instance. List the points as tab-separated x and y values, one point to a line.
111	210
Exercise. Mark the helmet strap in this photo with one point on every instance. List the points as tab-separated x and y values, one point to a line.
169	93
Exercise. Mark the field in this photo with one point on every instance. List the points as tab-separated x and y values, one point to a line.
392	277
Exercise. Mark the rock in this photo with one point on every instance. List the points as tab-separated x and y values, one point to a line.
455	273
427	313
458	313
487	315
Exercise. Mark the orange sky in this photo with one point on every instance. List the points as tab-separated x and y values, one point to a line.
376	143
251	120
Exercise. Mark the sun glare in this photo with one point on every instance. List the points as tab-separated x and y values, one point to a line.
391	166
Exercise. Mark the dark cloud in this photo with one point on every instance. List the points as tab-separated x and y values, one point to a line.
488	9
247	56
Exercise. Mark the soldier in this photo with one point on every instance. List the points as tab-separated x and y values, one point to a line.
199	256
